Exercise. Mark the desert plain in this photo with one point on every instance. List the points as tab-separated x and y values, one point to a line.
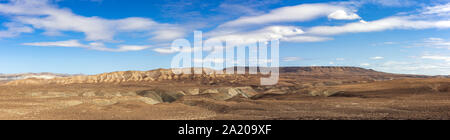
302	93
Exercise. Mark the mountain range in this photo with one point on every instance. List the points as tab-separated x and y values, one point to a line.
11	77
167	74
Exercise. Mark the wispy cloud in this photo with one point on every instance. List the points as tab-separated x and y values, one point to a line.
262	28
414	67
342	15
438	9
265	34
305	38
283	33
15	29
41	14
166	50
430	17
377	58
306	12
365	64
68	43
438	43
299	13
379	25
437	57
93	46
390	3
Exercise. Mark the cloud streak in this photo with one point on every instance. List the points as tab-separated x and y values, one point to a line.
92	46
41	14
299	13
437	57
389	23
377	58
14	29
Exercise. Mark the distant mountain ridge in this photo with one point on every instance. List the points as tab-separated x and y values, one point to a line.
168	75
45	75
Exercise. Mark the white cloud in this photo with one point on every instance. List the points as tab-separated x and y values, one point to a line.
437	57
417	21
126	48
167	50
342	15
438	9
438	43
379	25
69	43
297	13
414	67
433	40
364	64
168	34
389	43
363	21
283	33
41	14
306	39
135	24
265	34
14	29
377	58
121	48
394	3
93	46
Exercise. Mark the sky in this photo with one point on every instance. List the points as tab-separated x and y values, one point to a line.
97	36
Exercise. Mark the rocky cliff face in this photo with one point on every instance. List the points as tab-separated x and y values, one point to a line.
168	75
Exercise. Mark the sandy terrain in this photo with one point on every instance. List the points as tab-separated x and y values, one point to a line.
403	98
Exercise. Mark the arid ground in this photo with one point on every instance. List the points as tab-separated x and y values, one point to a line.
303	93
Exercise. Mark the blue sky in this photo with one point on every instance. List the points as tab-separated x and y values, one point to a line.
96	36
